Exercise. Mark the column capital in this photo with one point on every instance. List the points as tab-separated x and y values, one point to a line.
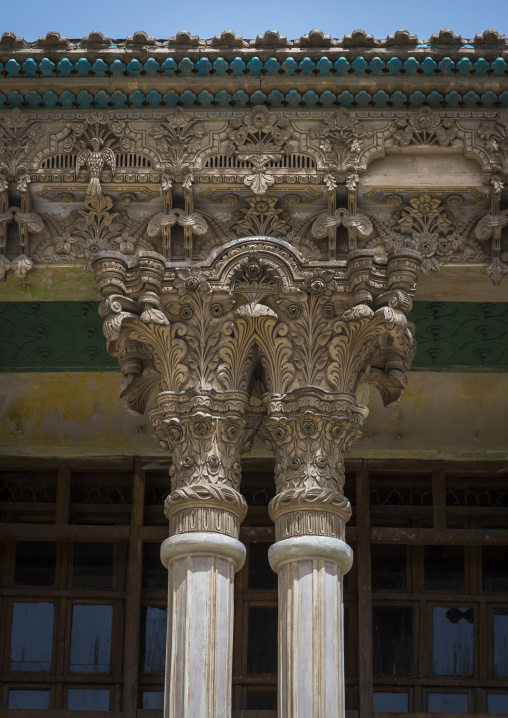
194	341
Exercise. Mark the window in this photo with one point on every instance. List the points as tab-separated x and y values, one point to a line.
83	615
153	639
88	699
91	638
28	699
31	636
388	567
63	602
386	702
392	638
92	565
35	563
448	702
500	632
262	631
454	584
444	568
453	641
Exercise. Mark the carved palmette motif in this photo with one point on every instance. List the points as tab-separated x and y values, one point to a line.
193	342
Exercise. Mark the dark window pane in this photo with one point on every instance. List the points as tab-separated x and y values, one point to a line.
92	565
152	700
447	703
392	628
388	567
31	636
154	623
262	632
35	563
495	575
501	642
385	702
444	568
453	641
261	700
88	699
154	573
261	575
91	639
497	703
28	699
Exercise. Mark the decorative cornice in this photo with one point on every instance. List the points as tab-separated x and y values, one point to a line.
271	39
377	95
423	62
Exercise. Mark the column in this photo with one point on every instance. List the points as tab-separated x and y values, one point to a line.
311	625
206	431
195	341
201	568
310	430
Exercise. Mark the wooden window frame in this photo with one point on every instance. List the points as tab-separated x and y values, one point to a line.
134	524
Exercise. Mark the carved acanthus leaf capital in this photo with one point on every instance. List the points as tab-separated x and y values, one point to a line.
194	341
309	431
206	432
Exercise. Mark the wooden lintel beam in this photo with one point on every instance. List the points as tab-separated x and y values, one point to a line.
438	536
50	532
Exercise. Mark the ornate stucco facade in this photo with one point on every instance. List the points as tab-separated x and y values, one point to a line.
265	222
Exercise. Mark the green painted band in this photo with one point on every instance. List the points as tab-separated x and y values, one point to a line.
67	336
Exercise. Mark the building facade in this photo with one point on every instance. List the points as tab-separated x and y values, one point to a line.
285	262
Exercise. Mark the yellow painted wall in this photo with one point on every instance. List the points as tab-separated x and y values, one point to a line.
442	415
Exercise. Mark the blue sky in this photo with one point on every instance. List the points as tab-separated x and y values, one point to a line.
119	18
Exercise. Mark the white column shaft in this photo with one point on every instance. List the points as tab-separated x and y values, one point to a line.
200	624
311	626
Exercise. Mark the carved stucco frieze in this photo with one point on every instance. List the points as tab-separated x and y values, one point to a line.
260	139
178	165
92	144
194	342
424	127
80	234
425	224
20	136
342	138
490	227
178	139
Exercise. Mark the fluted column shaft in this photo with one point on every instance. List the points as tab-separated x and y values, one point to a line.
311	625
201	568
206	431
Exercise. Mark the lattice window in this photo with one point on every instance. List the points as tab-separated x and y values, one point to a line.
426	599
124	160
295	161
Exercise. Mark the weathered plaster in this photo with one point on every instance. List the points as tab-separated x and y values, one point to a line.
458	416
453	283
50	284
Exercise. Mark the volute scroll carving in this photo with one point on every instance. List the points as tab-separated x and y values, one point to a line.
194	341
